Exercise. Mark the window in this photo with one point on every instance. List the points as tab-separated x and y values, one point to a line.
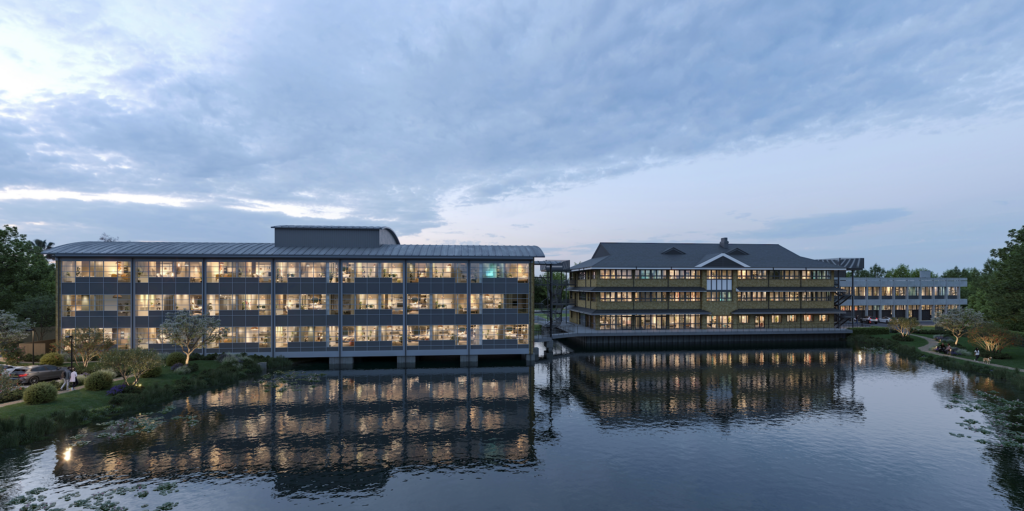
417	334
911	292
479	271
392	302
954	292
718	321
474	304
220	303
443	270
617	274
461	272
237	270
682	297
752	274
493	301
718	296
366	333
617	296
518	302
391	271
791	318
817	274
348	335
444	333
752	296
719	274
444	301
121	304
684	274
191	270
650	274
332	273
348	272
776	318
786	274
419	271
680	321
807	318
392	334
367	302
899	292
491	332
366	270
120	270
650	297
418	301
146	303
475	335
517	332
518	271
784	296
823	318
817	296
743	319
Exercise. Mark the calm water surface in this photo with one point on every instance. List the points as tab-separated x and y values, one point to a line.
803	429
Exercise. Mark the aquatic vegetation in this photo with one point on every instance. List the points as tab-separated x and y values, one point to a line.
1005	418
281	380
36	500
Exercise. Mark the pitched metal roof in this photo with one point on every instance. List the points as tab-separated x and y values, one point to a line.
651	255
268	250
850	263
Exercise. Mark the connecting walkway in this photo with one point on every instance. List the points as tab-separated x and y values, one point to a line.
932	343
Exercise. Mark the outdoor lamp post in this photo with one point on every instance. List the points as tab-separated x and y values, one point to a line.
70	340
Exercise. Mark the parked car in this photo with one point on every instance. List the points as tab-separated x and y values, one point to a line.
35	374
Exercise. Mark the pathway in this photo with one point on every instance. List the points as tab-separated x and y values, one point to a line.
932	343
81	387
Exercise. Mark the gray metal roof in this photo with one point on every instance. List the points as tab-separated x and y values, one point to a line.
650	255
850	263
334	227
268	250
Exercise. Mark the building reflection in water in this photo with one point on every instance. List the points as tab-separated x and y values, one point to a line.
348	435
633	389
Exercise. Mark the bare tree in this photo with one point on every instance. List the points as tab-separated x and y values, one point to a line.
190	332
108	238
959	321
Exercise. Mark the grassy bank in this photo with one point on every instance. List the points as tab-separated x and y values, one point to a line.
21	423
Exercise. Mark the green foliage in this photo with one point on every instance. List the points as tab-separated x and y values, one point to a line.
9	390
24	272
873	330
52	359
183	370
175	358
39	309
153	372
99	380
903	326
132	363
87	344
40	393
12	332
1000	292
190	332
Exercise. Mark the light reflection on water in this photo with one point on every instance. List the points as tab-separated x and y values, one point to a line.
757	429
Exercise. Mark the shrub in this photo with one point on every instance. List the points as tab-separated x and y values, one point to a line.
132	363
40	393
52	359
152	372
175	358
8	389
99	380
183	369
176	366
193	366
117	389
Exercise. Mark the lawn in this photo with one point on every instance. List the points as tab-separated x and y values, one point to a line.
82	399
1017	362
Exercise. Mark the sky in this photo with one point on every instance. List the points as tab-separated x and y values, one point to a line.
885	130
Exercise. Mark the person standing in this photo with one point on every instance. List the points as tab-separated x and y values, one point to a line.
74	378
65	375
977	353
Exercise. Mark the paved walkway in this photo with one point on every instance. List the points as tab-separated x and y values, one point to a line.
932	343
81	387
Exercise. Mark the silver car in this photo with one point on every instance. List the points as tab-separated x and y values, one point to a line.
36	374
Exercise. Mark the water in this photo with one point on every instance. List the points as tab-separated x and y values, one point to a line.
796	429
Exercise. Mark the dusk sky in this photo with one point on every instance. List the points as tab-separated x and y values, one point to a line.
887	130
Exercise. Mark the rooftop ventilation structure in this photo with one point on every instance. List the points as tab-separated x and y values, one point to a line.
673	251
326	236
724	243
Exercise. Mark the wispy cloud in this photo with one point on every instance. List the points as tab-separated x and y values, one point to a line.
827	224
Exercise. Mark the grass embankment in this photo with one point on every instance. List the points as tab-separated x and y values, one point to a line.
81	399
21	423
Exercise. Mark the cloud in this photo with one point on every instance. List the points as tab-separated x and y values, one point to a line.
394	112
828	224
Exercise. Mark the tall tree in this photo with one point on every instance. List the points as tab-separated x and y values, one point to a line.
1000	295
190	332
13	332
24	272
959	321
875	271
993	338
900	272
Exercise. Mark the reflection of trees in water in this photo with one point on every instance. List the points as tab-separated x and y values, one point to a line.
957	385
349	435
632	389
1007	474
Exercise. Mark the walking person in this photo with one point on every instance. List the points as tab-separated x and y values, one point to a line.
977	353
74	378
65	375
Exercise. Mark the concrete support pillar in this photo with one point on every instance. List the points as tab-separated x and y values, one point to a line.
406	362
469	360
339	363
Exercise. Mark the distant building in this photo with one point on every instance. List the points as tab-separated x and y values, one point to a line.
922	298
317	291
702	294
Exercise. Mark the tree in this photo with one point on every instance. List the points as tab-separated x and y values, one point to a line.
1000	294
900	272
993	338
108	238
12	332
24	272
959	321
190	332
87	343
40	309
903	326
875	271
130	363
44	245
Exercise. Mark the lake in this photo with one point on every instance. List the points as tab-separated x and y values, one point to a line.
769	429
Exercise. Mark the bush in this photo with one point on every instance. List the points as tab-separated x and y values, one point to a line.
40	393
117	389
52	359
8	390
176	366
99	380
152	372
193	367
872	330
183	369
175	358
